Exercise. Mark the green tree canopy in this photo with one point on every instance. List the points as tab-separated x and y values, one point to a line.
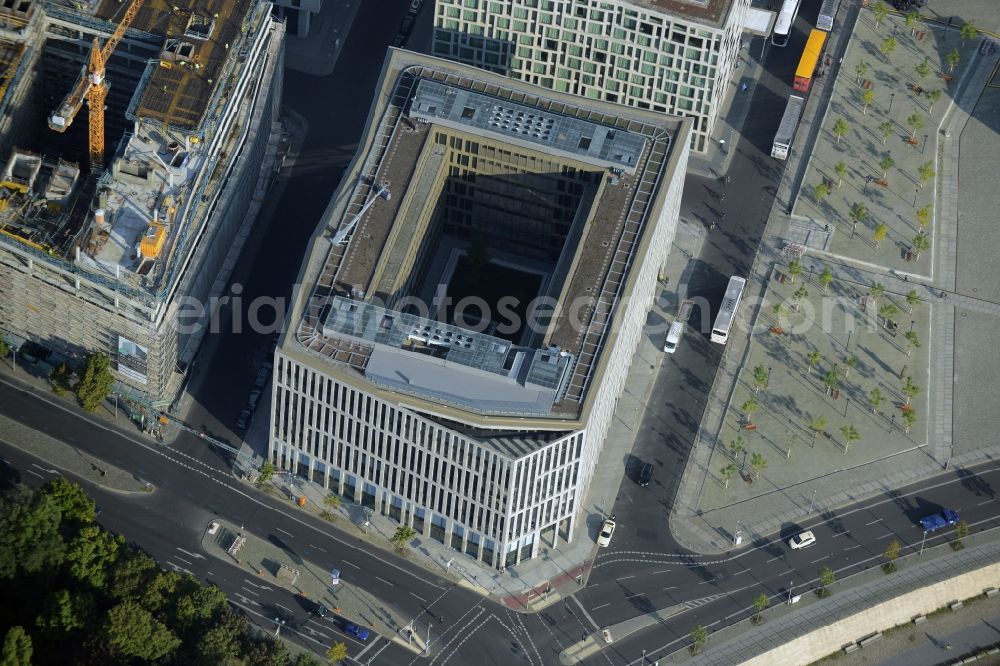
65	612
95	382
29	532
73	502
17	648
92	554
132	632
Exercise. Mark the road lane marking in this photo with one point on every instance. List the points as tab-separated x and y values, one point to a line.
250	591
197	556
853	547
419	597
773	559
820	559
670	588
312	545
989	501
283	531
875	521
183	560
625	577
31	471
602	606
351	564
585	613
887	534
633	596
741	572
285	607
664	571
841	534
384	581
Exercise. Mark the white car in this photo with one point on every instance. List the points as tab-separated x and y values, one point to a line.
802	540
607	529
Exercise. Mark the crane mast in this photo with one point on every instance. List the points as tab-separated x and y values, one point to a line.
92	87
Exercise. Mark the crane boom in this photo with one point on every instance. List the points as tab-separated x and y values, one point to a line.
92	87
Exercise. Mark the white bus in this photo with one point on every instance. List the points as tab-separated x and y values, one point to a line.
727	312
783	24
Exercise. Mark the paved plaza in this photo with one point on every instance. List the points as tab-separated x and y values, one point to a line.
910	91
822	388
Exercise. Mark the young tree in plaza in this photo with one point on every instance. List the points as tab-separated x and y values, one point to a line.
779	311
932	96
794	269
727	473
881	231
912	341
876	291
841	170
850	434
757	464
831	380
879	10
840	129
799	294
952	59
861	70
968	32
812	358
867	97
817	425
909	419
887	46
402	536
736	447
886	128
924	216
925	172
749	407
858	215
913	299
825	278
887	312
850	363
910	390
922	69
820	192
916	123
875	399
921	243
885	164
911	21
760	378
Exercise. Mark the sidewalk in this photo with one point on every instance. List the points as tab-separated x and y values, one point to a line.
274	563
554	574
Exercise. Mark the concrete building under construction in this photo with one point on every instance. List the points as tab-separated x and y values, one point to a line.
116	231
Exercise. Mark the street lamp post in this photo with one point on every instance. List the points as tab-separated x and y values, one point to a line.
892	96
767	383
924	144
922	540
278	624
427	643
812	503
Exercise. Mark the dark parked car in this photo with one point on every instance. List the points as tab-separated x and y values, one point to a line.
406	27
938	521
319	610
645	474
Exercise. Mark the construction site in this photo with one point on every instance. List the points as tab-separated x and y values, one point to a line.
137	141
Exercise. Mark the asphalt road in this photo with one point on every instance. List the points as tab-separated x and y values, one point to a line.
169	522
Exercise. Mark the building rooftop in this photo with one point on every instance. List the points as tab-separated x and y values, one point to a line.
199	36
712	12
396	199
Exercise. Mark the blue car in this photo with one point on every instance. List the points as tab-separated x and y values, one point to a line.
945	518
358	632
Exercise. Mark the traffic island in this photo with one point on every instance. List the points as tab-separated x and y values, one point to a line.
273	562
594	643
67	459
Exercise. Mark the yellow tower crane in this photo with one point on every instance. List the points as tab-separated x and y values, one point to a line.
92	87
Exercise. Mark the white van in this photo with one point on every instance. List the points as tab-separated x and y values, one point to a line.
673	337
